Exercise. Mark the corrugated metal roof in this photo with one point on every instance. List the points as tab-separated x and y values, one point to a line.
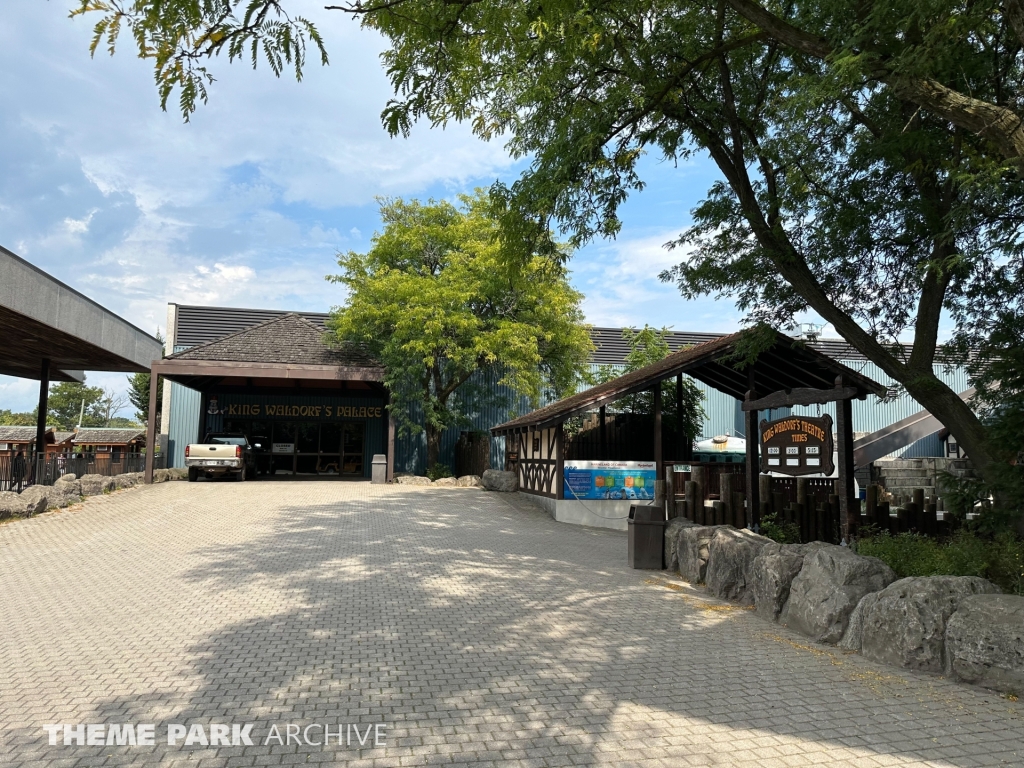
201	325
288	339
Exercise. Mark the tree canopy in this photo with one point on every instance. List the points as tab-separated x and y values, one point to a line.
440	305
870	155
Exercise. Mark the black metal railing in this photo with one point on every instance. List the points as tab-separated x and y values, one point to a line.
15	474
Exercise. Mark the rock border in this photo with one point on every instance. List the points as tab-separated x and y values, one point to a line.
959	626
70	489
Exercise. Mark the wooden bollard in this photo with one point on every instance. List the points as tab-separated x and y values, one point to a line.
931	522
690	489
718	511
801	491
834	527
871	504
725	494
764	491
739	509
779	506
918	498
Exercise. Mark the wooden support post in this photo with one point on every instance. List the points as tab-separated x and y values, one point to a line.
681	437
391	446
151	426
753	469
39	459
657	423
559	461
844	439
604	434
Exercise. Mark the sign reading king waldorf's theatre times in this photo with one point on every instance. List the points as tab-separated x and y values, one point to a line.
610	480
797	445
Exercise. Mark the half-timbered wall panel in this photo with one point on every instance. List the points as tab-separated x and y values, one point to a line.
537	460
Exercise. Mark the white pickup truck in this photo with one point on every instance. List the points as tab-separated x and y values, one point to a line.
222	453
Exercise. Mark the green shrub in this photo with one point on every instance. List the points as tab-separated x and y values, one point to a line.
438	471
784	533
999	559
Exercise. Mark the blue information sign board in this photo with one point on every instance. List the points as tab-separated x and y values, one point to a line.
611	480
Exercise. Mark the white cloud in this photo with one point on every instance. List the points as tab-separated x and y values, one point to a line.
620	281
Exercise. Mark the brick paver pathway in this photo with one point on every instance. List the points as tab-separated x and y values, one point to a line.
477	631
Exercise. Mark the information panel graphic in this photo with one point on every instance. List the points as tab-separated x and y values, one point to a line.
610	480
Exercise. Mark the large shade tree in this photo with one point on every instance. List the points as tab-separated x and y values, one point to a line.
442	305
870	154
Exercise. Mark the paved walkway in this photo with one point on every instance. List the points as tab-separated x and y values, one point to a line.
476	631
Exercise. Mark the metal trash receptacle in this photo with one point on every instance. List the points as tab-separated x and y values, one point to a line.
646	537
379	473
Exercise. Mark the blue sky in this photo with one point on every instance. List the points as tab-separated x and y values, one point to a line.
248	204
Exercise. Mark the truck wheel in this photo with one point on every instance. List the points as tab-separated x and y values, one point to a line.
241	475
193	474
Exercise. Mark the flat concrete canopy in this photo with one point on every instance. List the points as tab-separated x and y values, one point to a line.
43	319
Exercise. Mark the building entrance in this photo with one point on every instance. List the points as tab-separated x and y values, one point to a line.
305	447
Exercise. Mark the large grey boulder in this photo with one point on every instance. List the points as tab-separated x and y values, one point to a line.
39	498
498	480
19	505
985	642
692	549
69	485
469	481
10	504
672	529
94	485
730	570
905	624
123	481
413	480
825	592
774	569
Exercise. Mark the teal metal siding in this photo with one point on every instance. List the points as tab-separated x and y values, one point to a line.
184	422
411	450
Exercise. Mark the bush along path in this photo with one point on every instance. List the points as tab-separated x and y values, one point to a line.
959	626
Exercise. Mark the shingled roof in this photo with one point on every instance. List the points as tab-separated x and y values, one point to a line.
289	339
22	434
787	364
111	436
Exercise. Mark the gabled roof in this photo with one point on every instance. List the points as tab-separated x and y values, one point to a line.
98	436
786	364
289	339
22	434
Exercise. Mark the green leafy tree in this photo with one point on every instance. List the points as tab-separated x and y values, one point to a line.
646	346
439	304
65	401
178	36
10	419
138	394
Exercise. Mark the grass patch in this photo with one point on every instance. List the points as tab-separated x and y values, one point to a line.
1000	559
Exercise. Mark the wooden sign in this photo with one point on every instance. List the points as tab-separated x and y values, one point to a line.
797	445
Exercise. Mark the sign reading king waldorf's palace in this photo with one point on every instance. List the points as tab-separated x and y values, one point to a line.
797	445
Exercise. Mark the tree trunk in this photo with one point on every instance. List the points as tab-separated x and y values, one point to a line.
433	446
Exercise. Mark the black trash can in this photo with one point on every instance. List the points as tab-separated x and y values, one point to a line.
646	537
